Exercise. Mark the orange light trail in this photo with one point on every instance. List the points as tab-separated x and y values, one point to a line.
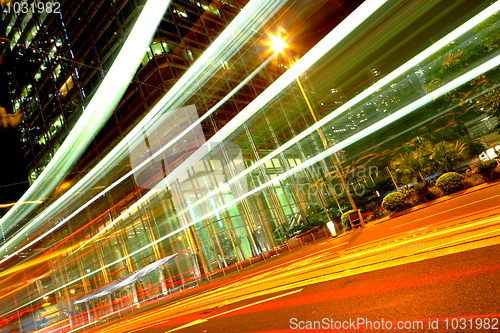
21	203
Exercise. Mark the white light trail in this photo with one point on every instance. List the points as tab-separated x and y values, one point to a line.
236	35
96	114
168	101
373	128
284	81
366	93
403	112
318	51
279	85
367	131
176	96
310	58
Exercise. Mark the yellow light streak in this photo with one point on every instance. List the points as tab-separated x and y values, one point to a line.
459	240
341	31
21	203
311	161
44	329
244	25
410	108
225	46
37	261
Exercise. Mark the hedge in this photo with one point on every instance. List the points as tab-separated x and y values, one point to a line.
393	201
345	220
449	182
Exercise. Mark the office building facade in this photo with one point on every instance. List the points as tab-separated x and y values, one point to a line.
210	183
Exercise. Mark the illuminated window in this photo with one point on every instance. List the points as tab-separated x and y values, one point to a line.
17	105
15	39
210	8
188	54
214	10
33	177
11	24
56	125
229	4
42	141
26	19
157	48
67	86
57	71
180	11
26	91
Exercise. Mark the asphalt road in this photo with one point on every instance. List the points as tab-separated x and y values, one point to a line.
438	262
462	285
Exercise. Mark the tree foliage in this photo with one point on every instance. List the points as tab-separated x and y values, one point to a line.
444	156
487	169
409	164
429	157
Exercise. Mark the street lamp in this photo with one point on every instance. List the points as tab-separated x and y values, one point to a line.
278	45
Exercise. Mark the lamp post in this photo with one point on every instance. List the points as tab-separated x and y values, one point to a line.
278	45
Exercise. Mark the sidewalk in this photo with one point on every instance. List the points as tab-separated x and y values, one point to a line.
437	201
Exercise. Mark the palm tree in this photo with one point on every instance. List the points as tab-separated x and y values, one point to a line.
409	164
444	156
440	156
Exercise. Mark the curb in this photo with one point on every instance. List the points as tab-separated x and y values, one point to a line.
436	201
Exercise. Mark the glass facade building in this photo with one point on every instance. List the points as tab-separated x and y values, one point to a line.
74	48
219	149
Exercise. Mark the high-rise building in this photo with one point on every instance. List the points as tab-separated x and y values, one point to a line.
76	46
253	164
75	49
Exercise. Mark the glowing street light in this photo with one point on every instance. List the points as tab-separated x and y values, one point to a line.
277	43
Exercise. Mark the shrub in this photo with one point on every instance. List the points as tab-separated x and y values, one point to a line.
424	192
374	207
394	201
485	166
487	169
413	199
435	192
316	216
345	220
472	180
378	213
495	174
449	182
